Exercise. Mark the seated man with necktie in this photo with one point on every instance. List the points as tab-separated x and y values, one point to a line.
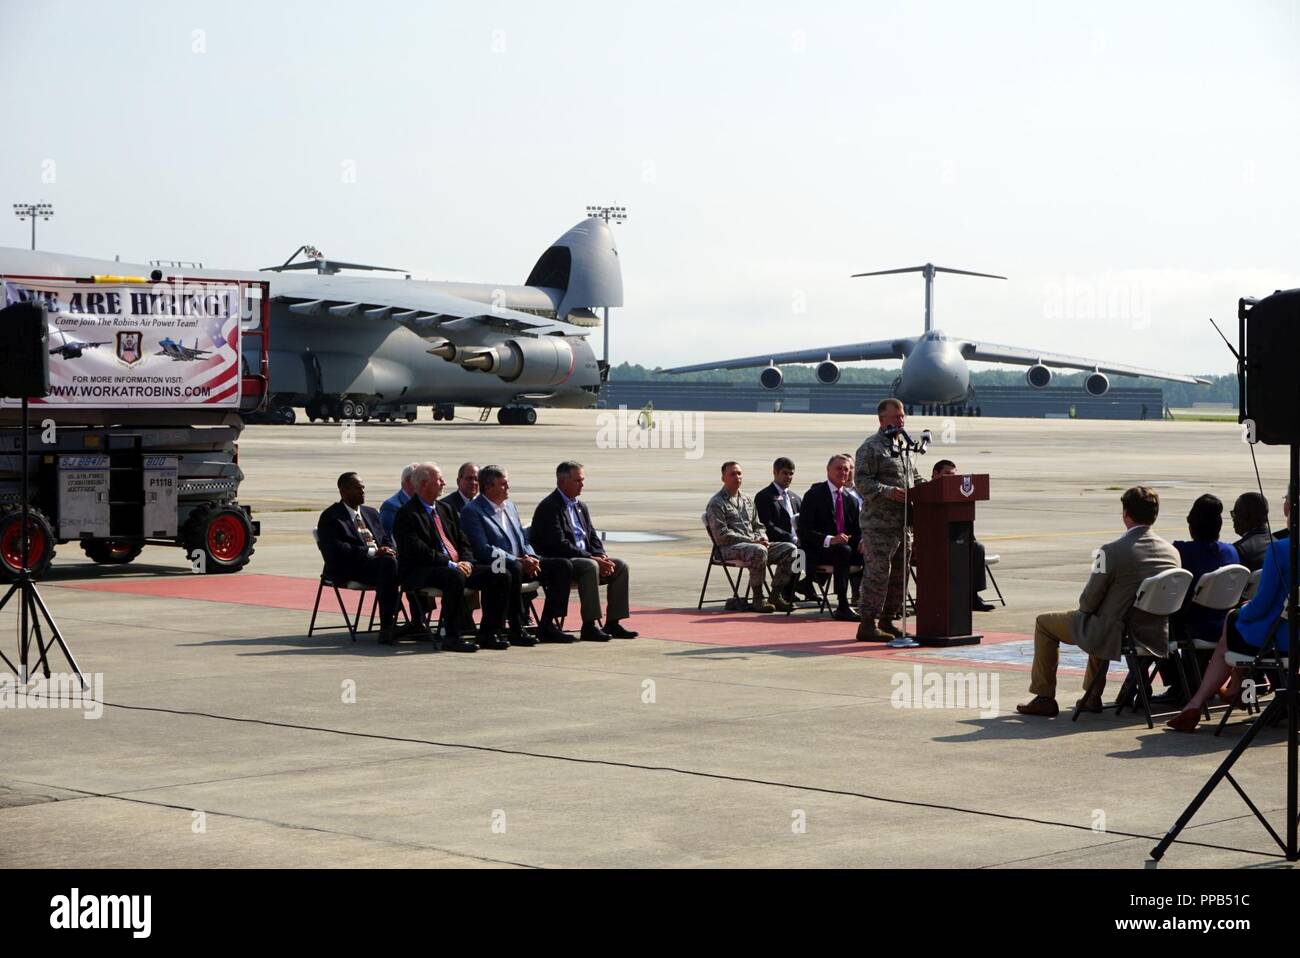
355	547
562	527
829	531
778	509
492	525
466	487
432	552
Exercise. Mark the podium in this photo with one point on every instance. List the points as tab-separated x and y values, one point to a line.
943	536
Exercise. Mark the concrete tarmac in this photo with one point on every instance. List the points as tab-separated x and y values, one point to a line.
228	738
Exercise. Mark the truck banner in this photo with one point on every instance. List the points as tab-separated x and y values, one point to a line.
131	344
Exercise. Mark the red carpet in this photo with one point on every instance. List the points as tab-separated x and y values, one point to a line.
799	633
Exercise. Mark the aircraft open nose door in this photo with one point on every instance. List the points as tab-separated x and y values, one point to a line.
771	378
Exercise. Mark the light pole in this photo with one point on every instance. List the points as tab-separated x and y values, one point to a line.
609	215
32	210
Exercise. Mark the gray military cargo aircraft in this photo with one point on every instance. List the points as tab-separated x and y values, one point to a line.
934	372
361	347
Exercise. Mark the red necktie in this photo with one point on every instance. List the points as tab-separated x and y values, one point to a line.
446	543
839	512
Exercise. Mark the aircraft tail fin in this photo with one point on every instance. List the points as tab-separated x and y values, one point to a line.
582	266
929	270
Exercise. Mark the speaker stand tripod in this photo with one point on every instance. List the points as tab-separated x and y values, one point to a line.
31	608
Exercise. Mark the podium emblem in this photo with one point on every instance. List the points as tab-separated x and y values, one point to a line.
967	485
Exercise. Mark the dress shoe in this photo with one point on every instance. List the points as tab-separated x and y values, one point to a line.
1185	721
591	632
493	640
525	638
616	630
870	632
808	590
455	643
780	603
1040	705
979	605
547	632
845	614
1090	703
886	625
415	630
387	634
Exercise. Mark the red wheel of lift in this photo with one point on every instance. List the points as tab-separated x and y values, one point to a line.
11	544
226	538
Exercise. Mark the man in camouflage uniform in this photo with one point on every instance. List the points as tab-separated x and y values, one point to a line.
879	479
735	527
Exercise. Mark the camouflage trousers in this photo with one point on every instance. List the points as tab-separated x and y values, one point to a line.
755	558
884	577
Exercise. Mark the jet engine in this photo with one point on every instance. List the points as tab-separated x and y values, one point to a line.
1096	384
771	378
1038	376
828	373
532	363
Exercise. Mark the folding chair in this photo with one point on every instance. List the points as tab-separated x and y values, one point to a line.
1218	591
989	561
1160	595
822	577
1252	586
715	559
353	623
1268	658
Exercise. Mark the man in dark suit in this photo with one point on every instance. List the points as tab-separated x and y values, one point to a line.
829	530
1250	521
562	528
355	547
778	509
433	552
466	487
492	525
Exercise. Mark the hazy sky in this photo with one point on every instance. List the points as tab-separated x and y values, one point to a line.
1130	167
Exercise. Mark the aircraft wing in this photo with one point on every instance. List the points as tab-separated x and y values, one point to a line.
1017	356
410	303
853	352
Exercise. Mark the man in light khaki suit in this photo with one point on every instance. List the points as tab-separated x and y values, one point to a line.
1097	627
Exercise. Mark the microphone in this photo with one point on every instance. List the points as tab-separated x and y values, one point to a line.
926	438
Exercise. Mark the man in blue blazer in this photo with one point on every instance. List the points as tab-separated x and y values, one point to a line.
491	523
405	490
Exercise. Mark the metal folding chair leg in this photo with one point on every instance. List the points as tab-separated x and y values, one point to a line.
989	573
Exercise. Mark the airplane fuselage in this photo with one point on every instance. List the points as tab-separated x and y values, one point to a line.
934	371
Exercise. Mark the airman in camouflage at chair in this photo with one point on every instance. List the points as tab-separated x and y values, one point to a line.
734	526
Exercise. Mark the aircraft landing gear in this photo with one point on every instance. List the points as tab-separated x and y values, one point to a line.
517	415
443	412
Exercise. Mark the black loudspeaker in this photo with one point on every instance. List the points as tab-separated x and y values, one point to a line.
1269	380
24	352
